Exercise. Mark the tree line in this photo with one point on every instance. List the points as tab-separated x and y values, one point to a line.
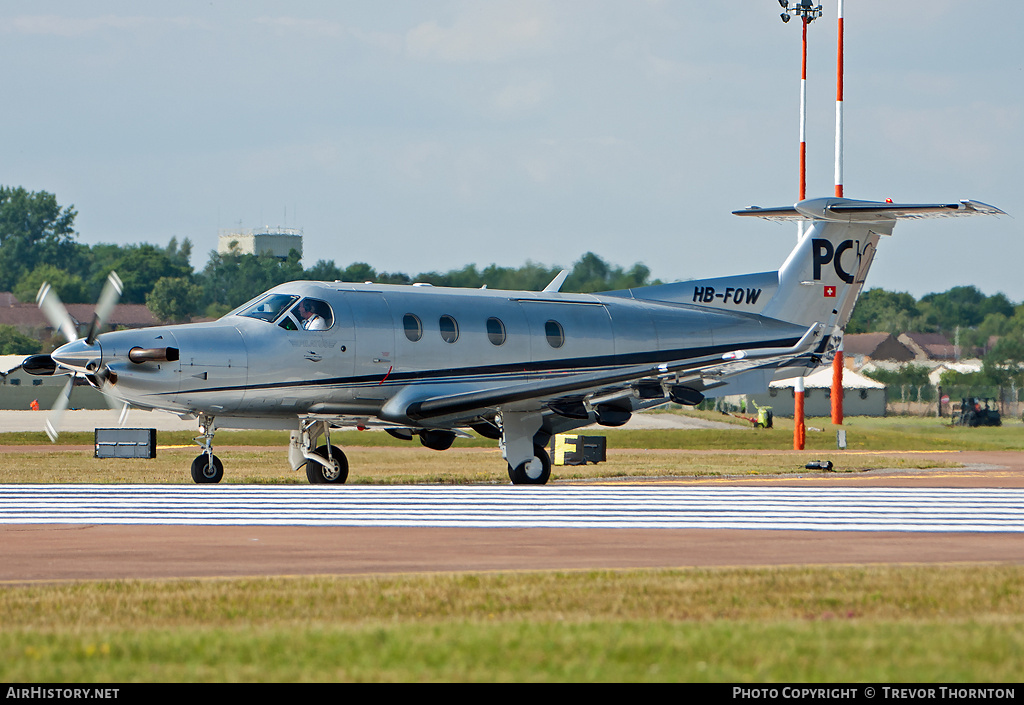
989	327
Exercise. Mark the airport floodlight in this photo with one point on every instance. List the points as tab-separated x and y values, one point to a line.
805	9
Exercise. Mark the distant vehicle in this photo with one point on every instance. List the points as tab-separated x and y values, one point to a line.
978	411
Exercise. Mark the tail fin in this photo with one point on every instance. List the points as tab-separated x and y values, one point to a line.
824	274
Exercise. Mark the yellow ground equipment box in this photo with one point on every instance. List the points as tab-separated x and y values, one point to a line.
571	449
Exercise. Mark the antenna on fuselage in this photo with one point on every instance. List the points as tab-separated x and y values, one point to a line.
556	283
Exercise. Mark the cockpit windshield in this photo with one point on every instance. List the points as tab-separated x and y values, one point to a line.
270	307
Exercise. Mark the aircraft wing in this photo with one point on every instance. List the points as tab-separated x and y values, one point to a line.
468	403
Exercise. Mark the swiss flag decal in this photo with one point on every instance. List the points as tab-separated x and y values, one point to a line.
830	292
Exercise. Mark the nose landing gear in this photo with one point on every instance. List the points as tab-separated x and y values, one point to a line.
206	468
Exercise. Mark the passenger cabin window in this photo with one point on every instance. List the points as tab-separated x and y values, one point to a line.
413	327
495	331
449	329
270	307
555	335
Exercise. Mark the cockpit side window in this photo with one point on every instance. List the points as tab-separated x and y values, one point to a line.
313	314
269	307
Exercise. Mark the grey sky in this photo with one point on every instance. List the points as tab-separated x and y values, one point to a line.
425	135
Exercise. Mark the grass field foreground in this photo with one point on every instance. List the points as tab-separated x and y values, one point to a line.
840	624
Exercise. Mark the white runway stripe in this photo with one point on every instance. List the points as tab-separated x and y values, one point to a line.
823	509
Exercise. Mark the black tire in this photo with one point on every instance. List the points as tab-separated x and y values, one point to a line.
323	473
205	471
520	475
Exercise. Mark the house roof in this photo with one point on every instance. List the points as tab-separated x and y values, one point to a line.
129	315
821	378
864	343
22	315
934	345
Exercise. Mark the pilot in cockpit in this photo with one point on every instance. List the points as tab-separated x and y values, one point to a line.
311	319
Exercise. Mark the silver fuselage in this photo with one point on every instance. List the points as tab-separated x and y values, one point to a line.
240	366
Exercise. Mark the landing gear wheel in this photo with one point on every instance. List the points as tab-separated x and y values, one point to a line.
532	472
207	469
324	473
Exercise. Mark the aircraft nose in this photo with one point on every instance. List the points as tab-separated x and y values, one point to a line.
79	355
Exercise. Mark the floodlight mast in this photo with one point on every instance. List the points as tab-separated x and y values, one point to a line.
807	13
837	361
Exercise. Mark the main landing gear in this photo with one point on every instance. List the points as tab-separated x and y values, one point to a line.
325	465
535	471
522	445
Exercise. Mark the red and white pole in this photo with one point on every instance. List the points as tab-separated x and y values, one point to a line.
839	105
807	13
837	361
803	113
799	429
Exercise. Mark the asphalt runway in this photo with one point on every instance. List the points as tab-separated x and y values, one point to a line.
70	547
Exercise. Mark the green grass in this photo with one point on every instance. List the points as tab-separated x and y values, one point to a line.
839	624
378	458
414	464
863	433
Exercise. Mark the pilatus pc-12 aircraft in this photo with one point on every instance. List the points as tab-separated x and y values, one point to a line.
515	366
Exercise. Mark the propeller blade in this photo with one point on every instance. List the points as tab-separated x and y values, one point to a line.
55	312
59	406
124	414
105	306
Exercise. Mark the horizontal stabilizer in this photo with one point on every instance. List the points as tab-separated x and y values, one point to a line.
843	210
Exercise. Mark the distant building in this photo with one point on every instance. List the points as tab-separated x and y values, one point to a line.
862	348
28	319
930	346
18	389
964	367
861	396
255	241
